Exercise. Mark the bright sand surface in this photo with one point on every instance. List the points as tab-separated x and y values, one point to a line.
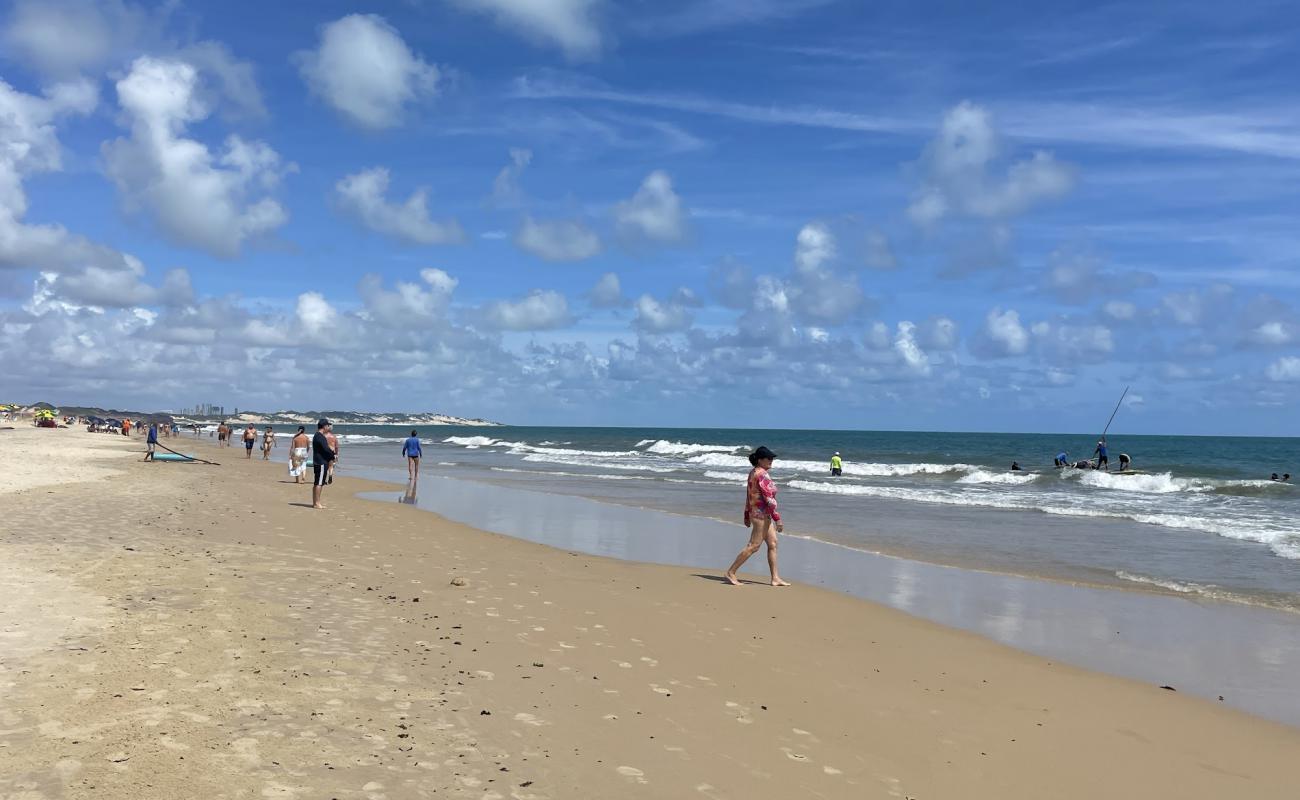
177	630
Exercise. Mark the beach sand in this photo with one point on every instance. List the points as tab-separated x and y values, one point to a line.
186	631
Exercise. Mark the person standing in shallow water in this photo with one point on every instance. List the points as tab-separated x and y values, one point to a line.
761	516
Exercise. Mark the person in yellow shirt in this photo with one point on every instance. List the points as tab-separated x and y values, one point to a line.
837	466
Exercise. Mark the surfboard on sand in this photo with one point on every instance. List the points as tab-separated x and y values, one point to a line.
172	457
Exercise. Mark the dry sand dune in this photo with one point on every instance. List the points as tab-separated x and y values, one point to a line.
190	631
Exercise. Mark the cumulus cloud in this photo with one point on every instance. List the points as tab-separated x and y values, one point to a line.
607	293
215	202
362	196
557	240
1285	369
939	333
814	247
97	287
29	146
958	180
653	214
817	292
542	309
571	25
1274	333
1078	277
408	304
62	38
655	316
1004	335
505	187
909	352
1119	310
1192	307
364	70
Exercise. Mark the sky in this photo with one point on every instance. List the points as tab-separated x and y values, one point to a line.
714	213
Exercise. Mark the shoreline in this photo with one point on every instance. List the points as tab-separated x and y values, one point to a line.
1141	635
253	647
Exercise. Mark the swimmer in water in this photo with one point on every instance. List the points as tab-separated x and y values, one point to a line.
1015	466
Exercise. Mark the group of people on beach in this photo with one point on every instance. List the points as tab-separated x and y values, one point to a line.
1100	460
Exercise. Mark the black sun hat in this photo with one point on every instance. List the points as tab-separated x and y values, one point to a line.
762	453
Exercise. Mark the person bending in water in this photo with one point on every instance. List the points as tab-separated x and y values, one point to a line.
761	516
1061	460
1125	463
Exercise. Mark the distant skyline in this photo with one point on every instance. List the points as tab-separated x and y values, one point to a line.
704	213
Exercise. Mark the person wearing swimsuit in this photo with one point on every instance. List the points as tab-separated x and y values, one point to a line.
761	516
268	442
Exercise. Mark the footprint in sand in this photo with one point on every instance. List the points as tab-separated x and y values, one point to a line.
793	756
739	712
633	774
530	719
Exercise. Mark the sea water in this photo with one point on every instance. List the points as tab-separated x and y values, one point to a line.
1202	518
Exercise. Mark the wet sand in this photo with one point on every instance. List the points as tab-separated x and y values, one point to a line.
193	631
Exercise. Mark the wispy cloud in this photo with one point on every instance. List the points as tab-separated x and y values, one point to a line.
700	16
1244	131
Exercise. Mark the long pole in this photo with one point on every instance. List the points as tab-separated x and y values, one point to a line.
1113	413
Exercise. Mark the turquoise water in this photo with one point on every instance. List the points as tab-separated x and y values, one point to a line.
1201	518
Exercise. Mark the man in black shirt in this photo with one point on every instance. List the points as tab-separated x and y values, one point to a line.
321	455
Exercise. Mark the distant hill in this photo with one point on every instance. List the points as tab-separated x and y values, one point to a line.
280	417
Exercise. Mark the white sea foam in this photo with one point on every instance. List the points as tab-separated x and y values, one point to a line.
583	459
1173	586
1005	478
726	476
644	442
1282	540
666	448
1156	483
365	438
472	442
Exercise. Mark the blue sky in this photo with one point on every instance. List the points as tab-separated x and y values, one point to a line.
806	213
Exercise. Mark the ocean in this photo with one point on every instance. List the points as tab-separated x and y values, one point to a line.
1201	519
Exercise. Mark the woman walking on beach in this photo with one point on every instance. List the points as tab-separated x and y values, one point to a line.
761	516
298	454
268	442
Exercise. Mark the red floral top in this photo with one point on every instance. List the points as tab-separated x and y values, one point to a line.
760	496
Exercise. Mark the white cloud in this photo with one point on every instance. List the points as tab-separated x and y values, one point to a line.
362	196
1120	310
909	352
540	310
1003	331
1286	368
1274	333
708	15
956	173
315	315
939	333
814	246
28	146
505	187
653	316
408	304
61	38
108	288
571	25
366	72
607	293
1193	307
557	240
653	214
195	198
819	294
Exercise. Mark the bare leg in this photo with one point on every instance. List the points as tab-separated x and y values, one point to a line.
770	538
757	533
315	496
